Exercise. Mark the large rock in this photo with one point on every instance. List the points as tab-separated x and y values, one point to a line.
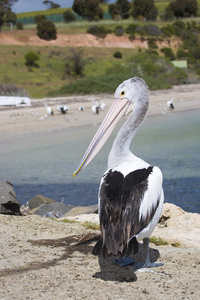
9	204
179	227
38	200
53	210
80	210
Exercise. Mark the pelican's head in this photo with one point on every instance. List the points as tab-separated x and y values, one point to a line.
129	94
134	89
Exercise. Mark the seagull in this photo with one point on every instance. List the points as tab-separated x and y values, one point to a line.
130	194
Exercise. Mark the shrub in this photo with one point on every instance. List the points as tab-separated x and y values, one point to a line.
140	30
152	30
178	27
168	30
131	29
181	54
153	52
98	31
168	53
46	30
119	31
20	26
195	52
31	58
75	62
68	16
117	54
152	43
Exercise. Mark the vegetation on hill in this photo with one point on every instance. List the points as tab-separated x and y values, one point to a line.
56	71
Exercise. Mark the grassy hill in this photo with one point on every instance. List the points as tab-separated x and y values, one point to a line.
100	65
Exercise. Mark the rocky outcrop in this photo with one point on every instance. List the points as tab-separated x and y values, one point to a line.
39	200
9	204
53	210
179	227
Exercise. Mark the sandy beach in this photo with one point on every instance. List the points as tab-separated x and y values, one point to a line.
16	121
42	258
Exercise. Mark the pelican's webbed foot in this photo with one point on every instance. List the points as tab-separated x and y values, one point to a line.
122	262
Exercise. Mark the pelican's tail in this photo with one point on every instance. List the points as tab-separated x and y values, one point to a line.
130	249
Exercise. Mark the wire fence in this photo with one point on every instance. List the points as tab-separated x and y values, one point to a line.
55	18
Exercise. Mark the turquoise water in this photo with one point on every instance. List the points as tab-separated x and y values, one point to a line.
43	163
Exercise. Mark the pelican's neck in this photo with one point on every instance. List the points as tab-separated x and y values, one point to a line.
120	151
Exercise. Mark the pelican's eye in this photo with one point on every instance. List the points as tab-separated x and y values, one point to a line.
122	94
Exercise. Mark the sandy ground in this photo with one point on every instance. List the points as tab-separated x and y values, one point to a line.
45	259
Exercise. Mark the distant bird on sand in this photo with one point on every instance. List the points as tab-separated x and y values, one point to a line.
49	110
130	195
170	103
63	108
96	107
81	108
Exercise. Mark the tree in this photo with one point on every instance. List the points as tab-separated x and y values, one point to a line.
183	8
5	8
75	63
120	8
68	16
46	30
113	11
31	58
51	4
144	8
123	7
10	17
88	9
39	18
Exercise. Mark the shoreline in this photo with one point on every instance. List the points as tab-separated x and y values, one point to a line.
18	121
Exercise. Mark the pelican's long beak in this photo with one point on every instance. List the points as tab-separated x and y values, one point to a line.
119	108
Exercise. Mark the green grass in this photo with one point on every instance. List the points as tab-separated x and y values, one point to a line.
161	242
158	241
49	76
91	225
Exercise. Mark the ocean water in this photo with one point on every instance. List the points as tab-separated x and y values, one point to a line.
43	163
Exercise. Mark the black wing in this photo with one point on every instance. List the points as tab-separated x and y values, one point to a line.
120	200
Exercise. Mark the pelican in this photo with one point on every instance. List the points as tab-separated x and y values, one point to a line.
63	108
170	103
130	195
96	107
49	110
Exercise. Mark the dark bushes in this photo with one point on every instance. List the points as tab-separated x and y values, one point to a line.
46	30
98	31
